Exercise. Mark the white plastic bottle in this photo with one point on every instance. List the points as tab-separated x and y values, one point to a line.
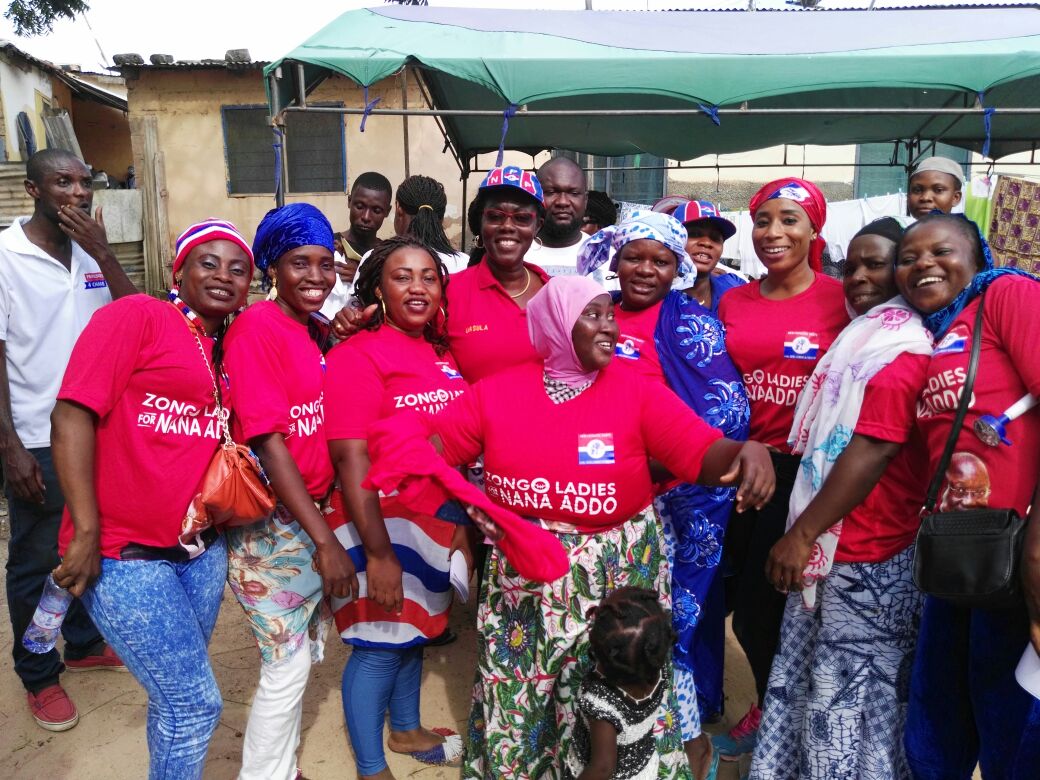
43	631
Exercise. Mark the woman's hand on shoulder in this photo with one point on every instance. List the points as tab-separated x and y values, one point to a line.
348	321
338	576
752	472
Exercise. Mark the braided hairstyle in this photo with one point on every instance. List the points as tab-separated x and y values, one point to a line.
371	276
631	637
423	199
474	214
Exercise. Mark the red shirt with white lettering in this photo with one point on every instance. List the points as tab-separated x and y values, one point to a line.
887	521
776	344
138	367
635	347
487	331
377	373
276	373
582	463
1009	367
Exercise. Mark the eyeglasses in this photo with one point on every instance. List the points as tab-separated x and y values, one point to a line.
521	219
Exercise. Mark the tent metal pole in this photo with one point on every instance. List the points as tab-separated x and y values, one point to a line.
301	88
972	111
462	241
747	165
404	120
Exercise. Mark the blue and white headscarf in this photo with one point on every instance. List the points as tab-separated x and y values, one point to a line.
291	226
603	246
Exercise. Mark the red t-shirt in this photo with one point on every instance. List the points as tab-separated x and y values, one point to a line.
487	331
276	373
137	366
582	462
377	373
776	345
1009	367
887	521
635	347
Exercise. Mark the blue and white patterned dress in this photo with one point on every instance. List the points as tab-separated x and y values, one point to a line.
691	346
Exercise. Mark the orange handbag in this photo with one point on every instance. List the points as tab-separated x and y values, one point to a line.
234	489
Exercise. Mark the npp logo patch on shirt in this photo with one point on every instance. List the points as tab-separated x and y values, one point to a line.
448	371
953	342
801	345
628	347
595	449
93	280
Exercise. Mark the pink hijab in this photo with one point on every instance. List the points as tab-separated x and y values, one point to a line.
551	315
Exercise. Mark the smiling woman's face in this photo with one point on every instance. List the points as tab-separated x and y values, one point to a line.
936	262
595	334
868	276
782	235
646	269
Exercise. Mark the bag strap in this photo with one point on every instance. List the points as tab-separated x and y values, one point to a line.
221	414
962	409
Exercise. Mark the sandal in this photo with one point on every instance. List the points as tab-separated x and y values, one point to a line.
446	637
446	753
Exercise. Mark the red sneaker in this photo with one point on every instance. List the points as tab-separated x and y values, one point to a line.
53	709
107	660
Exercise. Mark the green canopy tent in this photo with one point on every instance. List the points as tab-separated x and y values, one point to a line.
683	84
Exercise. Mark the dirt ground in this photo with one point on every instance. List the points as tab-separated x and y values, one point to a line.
109	741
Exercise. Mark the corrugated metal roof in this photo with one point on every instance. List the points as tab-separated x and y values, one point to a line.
81	88
794	5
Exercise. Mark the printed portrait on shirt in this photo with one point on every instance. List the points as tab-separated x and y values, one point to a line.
967	483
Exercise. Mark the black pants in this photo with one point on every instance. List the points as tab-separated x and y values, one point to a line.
31	554
758	608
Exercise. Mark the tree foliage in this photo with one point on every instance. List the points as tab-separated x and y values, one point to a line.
37	17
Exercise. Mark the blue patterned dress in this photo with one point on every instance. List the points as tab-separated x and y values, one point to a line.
691	346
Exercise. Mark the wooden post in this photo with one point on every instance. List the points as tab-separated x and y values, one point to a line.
151	180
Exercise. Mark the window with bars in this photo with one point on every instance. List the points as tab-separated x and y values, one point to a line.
314	151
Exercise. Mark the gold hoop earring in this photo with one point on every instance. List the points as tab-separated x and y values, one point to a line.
383	304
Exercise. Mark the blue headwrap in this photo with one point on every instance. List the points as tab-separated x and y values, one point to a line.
938	322
291	226
604	245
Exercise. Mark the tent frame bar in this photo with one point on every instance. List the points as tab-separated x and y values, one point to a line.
972	111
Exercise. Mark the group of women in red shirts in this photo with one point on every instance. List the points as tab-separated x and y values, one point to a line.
578	433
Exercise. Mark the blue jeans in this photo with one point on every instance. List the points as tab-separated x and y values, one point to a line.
159	616
32	553
374	680
965	705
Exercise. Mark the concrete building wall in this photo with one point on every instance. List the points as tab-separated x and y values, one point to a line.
104	136
23	87
187	106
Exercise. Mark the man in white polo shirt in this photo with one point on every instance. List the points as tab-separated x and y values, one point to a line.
56	270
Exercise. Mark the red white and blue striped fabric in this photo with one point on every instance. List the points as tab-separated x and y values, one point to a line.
421	544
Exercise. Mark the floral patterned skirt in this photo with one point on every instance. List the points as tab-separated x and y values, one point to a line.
534	654
272	573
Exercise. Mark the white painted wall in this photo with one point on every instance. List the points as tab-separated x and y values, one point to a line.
18	90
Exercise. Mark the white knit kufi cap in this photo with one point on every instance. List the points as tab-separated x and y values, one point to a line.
941	165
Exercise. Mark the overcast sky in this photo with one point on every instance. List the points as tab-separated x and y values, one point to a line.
197	29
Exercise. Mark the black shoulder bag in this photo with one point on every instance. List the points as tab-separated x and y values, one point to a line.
968	557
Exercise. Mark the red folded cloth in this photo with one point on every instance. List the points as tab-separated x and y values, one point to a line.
403	460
